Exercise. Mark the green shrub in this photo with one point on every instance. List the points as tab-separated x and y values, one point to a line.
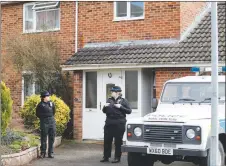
15	147
11	136
33	140
28	113
19	141
6	108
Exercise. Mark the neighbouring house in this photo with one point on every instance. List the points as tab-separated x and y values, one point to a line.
34	18
136	45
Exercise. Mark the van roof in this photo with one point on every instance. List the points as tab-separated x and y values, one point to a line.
197	79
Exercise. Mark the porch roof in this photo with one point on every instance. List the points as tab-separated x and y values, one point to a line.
195	49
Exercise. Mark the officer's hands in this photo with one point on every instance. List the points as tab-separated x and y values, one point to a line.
106	104
117	105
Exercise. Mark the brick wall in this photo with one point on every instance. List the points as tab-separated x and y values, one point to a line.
77	108
165	74
162	20
12	25
188	13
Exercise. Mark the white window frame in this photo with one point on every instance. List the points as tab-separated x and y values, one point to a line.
128	17
34	19
45	7
33	86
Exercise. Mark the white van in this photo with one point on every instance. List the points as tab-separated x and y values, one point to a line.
179	128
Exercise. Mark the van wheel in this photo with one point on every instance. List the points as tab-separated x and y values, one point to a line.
206	161
136	159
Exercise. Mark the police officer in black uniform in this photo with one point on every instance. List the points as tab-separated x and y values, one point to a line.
115	109
45	111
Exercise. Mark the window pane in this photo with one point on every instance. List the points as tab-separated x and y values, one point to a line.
131	88
37	88
108	90
137	9
121	9
28	17
196	91
46	20
41	20
52	19
91	90
28	86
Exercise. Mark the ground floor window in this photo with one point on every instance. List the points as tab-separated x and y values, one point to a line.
131	88
30	86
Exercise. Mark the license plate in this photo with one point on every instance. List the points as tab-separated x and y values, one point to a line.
160	151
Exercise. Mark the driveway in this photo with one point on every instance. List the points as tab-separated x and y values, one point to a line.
74	154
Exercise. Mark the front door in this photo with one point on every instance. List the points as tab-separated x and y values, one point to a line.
110	79
97	91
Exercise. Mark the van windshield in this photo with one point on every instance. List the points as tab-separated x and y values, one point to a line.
191	93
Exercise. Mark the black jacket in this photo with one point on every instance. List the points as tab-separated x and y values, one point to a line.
45	110
116	115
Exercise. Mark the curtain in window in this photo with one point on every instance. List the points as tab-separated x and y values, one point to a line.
47	20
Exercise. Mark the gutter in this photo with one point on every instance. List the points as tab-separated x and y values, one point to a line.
9	3
129	66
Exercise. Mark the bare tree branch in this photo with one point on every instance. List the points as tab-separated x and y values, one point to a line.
38	54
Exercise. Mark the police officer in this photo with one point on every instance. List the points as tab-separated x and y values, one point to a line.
45	111
115	109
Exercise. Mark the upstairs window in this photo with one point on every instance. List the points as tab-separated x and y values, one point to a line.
124	10
41	16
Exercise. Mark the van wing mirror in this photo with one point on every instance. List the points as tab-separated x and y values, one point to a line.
154	103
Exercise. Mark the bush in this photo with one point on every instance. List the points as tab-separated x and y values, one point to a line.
11	136
15	147
31	121
6	108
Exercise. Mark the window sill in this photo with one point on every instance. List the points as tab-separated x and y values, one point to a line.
51	30
128	19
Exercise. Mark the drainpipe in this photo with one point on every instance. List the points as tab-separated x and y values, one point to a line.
214	157
76	26
76	49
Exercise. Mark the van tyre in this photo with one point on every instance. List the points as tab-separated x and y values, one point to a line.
136	159
206	161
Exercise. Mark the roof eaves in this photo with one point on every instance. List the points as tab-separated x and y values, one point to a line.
136	65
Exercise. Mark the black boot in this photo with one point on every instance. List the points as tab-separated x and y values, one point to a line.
50	156
104	160
116	160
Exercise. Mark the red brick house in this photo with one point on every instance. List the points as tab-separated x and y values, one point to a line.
18	19
136	45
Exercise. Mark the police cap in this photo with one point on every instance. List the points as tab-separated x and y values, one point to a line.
45	93
116	89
